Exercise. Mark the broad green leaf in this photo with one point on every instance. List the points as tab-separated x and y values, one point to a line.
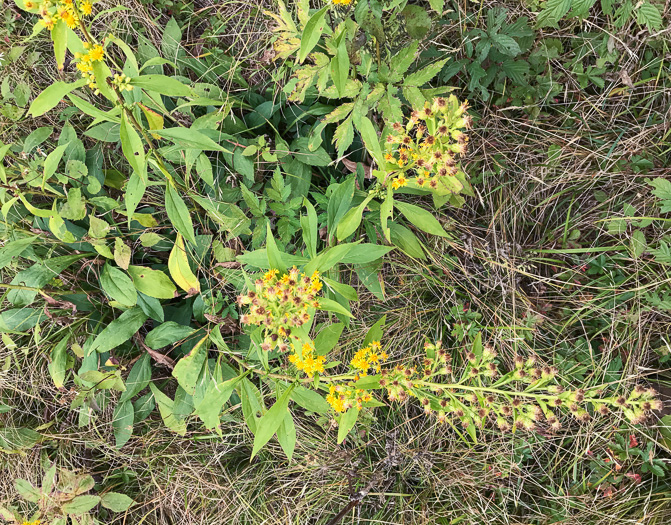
371	140
122	422
51	96
118	285
138	378
153	283
217	394
189	138
365	253
116	502
59	36
421	218
375	331
59	359
162	84
119	331
27	491
286	435
188	368
327	338
274	255
330	305
352	219
51	162
312	33
421	77
81	504
346	423
134	192
309	227
132	147
417	21
340	65
165	407
166	334
327	259
271	421
406	241
178	213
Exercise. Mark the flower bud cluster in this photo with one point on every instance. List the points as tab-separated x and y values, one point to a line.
342	398
482	395
122	82
369	357
429	145
280	304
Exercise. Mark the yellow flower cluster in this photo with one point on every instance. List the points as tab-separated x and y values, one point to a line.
342	2
342	398
52	11
36	522
94	53
429	143
306	361
279	304
368	357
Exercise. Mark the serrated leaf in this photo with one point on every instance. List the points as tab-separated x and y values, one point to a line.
421	77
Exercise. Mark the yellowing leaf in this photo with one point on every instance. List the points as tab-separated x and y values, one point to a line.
154	119
180	271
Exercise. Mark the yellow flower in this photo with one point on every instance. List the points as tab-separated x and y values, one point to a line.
29	5
97	52
86	7
270	274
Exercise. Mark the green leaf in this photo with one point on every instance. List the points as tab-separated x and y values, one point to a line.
122	422
134	192
52	161
506	44
286	435
327	338
162	84
188	368
36	138
179	215
340	65
27	491
421	77
58	365
370	140
365	253
189	139
215	397
312	33
119	331
138	378
165	407
118	285
649	15
271	421
375	331
81	504
406	241
553	12
132	147
153	283
421	218
417	21
662	191
330	305
116	502
274	255
59	36
638	243
352	219
167	334
309	227
346	423
339	202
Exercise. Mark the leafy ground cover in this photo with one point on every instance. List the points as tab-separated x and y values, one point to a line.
262	262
